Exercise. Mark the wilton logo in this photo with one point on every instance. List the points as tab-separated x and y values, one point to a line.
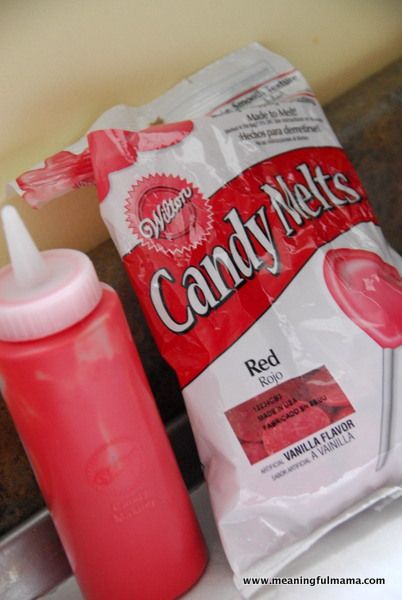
168	213
164	214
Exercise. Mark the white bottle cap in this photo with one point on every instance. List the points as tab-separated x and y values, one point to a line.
42	293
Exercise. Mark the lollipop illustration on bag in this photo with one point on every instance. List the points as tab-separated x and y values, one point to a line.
369	291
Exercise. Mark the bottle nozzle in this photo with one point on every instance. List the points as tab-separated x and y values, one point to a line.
28	266
42	293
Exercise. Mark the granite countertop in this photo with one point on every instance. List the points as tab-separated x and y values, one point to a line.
368	122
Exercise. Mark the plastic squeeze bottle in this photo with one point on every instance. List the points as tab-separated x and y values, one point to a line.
74	385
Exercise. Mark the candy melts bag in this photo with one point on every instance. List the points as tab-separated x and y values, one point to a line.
270	289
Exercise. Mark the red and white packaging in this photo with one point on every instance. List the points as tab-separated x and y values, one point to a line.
270	289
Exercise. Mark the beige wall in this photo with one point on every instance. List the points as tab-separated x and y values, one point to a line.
62	62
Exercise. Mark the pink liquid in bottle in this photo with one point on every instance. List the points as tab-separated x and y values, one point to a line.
88	421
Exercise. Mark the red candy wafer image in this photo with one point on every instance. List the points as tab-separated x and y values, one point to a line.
334	396
255	451
337	413
306	421
287	413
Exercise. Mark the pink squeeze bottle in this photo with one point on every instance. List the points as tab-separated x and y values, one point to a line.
75	387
